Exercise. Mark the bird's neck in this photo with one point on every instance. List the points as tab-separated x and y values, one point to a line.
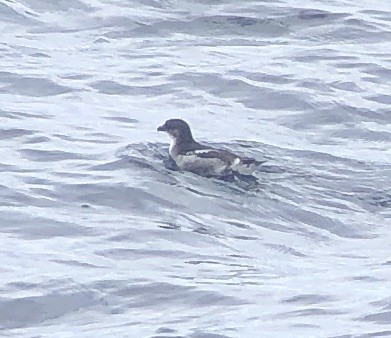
178	145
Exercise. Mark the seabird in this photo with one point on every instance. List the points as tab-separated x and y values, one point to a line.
192	156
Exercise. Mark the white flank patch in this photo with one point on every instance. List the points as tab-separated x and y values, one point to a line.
202	151
210	166
244	169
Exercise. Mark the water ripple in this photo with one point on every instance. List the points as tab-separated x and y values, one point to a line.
99	235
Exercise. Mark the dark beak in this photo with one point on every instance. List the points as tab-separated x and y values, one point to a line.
162	128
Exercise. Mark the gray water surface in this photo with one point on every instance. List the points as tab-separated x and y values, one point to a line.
99	239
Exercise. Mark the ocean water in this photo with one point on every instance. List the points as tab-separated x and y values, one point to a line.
99	239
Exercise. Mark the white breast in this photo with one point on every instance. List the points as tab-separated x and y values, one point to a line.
171	149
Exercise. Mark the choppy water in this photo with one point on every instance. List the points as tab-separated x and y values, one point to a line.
99	239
